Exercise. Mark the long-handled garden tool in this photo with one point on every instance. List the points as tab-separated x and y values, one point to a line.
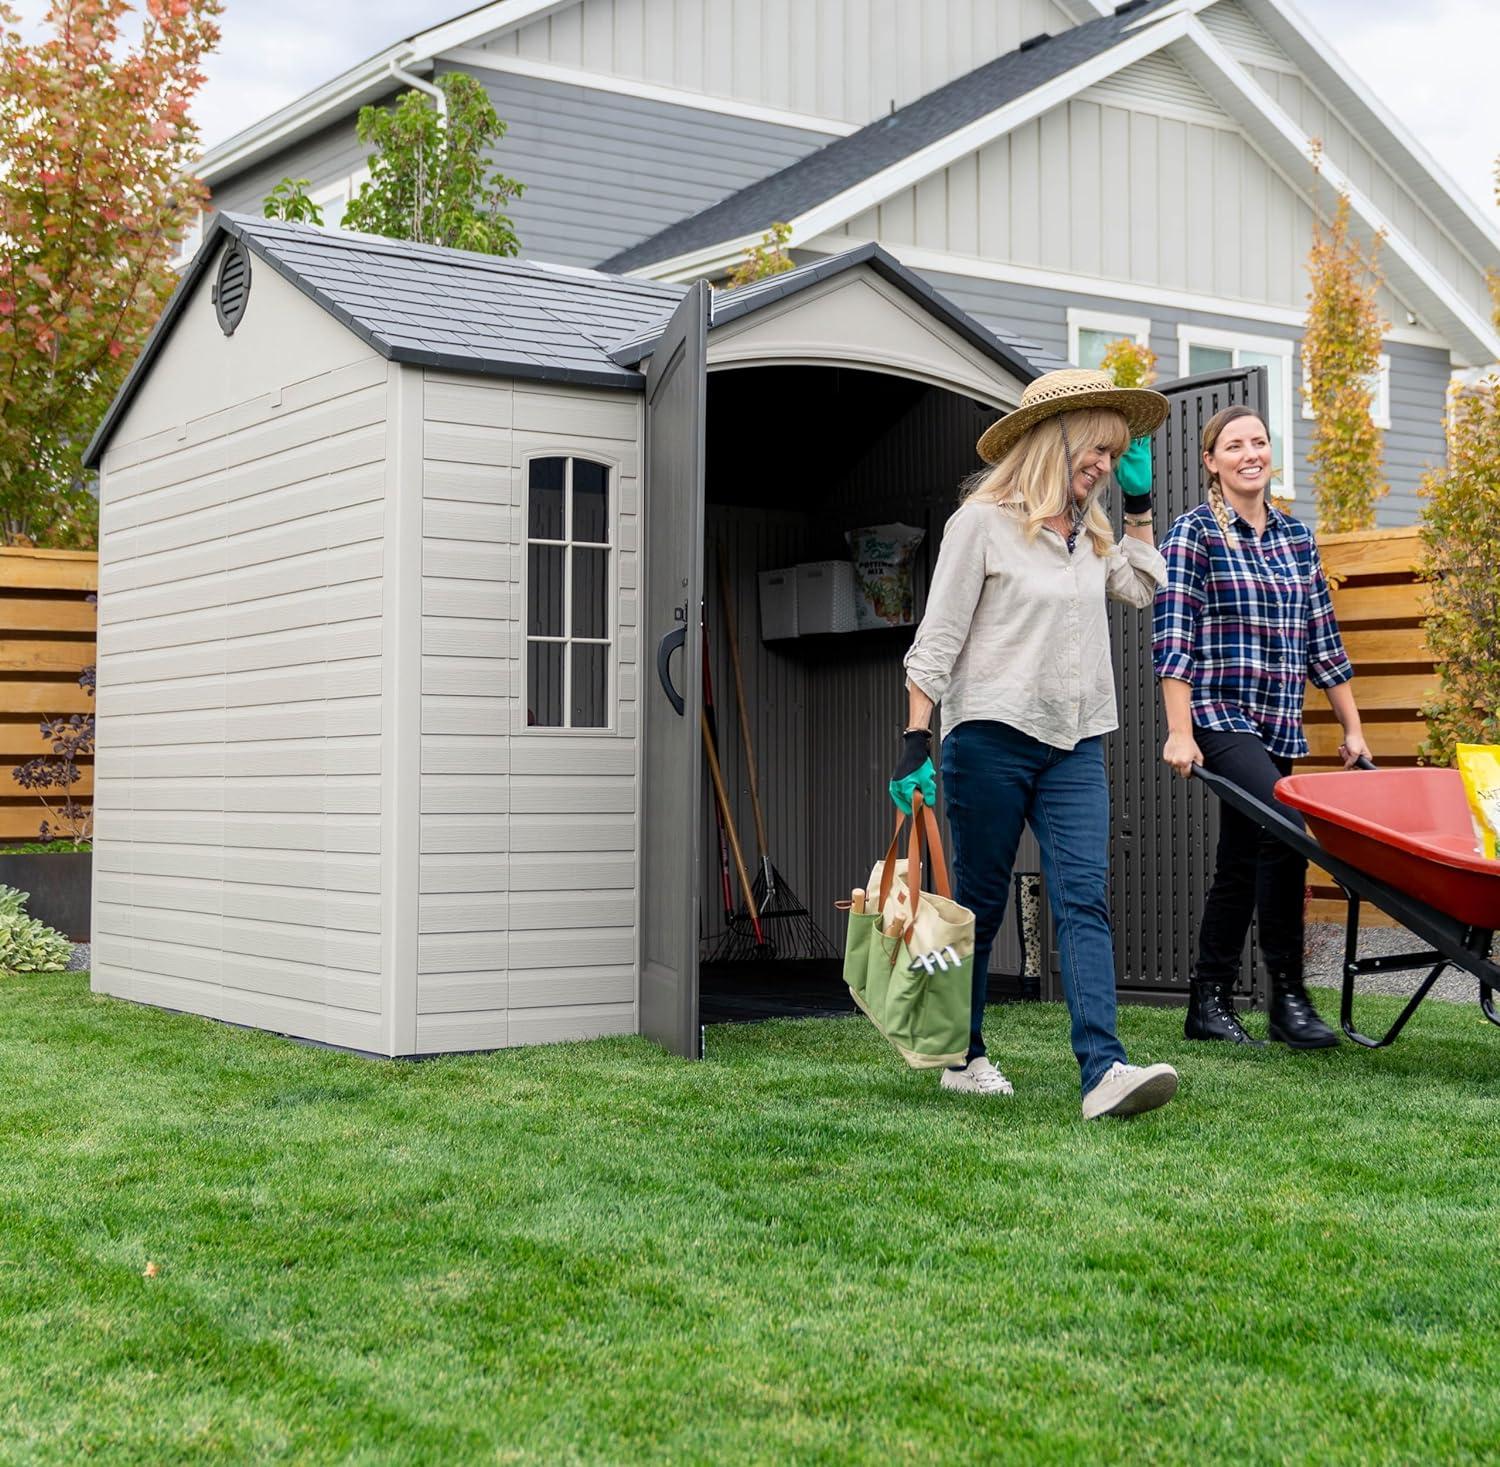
784	918
751	912
726	891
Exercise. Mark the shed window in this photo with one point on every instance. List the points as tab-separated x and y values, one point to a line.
568	621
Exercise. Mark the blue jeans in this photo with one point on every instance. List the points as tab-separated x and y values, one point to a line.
996	779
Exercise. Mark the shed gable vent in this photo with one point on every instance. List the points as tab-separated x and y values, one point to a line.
232	288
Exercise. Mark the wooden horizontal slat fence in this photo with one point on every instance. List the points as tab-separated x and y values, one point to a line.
46	639
1380	604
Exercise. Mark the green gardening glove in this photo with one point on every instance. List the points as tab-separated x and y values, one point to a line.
914	772
1133	474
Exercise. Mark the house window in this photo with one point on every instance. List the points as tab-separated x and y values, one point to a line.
1380	393
1091	332
334	198
1200	349
568	579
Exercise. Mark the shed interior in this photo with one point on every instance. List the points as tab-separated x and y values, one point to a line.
797	456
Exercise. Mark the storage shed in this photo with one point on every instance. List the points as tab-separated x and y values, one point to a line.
395	541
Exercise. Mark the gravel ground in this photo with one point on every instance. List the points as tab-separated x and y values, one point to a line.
1325	962
79	962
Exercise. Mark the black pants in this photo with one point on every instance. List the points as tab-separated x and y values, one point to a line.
1253	871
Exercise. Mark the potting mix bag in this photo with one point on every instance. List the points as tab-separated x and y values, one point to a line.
883	556
1479	764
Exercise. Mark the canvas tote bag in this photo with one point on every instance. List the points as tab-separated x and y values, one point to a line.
924	1015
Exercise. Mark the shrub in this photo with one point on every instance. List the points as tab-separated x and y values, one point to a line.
1129	362
26	945
1461	541
769	257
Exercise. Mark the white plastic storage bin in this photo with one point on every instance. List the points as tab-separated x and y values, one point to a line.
778	604
825	597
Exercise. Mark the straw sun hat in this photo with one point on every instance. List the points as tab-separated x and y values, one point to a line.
1068	391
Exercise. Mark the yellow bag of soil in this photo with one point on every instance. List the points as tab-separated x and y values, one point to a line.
1479	765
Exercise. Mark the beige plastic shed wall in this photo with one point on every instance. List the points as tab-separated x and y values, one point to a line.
243	859
528	836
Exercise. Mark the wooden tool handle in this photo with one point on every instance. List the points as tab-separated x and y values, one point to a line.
726	600
729	830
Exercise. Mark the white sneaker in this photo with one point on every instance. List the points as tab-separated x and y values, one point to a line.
1127	1090
978	1076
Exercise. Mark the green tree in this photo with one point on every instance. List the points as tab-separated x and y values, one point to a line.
1340	360
769	257
431	180
1461	563
95	143
289	200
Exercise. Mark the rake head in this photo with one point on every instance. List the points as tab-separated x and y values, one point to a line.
787	929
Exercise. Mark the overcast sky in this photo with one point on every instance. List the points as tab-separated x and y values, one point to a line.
1431	63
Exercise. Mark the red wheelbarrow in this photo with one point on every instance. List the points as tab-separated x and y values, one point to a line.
1402	840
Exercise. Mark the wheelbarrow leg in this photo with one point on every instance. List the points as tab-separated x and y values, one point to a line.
1481	942
1354	966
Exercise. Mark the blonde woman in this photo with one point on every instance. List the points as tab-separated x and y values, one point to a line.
1015	646
1244	622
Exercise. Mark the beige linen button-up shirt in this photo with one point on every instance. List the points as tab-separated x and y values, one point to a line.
1016	630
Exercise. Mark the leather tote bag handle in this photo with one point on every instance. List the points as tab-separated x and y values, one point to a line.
923	825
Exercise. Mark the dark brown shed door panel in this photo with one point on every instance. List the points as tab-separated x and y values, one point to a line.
671	688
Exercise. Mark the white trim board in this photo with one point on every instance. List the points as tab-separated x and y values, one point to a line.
1137	328
1126	293
912	169
1276	130
1320	62
647	91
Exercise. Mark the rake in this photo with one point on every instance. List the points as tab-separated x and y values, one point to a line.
785	925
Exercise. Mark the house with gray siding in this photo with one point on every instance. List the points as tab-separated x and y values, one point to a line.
1069	170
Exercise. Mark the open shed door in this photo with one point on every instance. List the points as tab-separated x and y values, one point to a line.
671	698
1165	829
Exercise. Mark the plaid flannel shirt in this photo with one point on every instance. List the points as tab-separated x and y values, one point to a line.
1247	622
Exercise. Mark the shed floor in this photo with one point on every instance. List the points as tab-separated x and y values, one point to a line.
744	993
741	993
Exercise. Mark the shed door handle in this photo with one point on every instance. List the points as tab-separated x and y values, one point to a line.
672	642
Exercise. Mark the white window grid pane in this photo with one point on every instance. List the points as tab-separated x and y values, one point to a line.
567	640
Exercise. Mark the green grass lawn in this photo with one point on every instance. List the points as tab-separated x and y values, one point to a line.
796	1252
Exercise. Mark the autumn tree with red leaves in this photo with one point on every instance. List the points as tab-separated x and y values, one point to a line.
95	143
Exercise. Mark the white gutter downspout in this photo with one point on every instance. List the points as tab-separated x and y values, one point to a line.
436	93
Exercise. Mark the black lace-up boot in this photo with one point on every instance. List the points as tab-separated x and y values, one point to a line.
1294	1021
1211	1013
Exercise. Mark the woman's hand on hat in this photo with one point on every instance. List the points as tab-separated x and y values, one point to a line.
915	771
1133	474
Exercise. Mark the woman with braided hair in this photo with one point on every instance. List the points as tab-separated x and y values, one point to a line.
1015	645
1243	623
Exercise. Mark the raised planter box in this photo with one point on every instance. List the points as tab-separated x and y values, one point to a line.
61	887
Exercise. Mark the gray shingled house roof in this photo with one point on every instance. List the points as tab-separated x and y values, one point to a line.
850	160
467	312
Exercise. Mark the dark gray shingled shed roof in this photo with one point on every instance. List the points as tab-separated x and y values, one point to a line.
466	312
848	161
434	307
